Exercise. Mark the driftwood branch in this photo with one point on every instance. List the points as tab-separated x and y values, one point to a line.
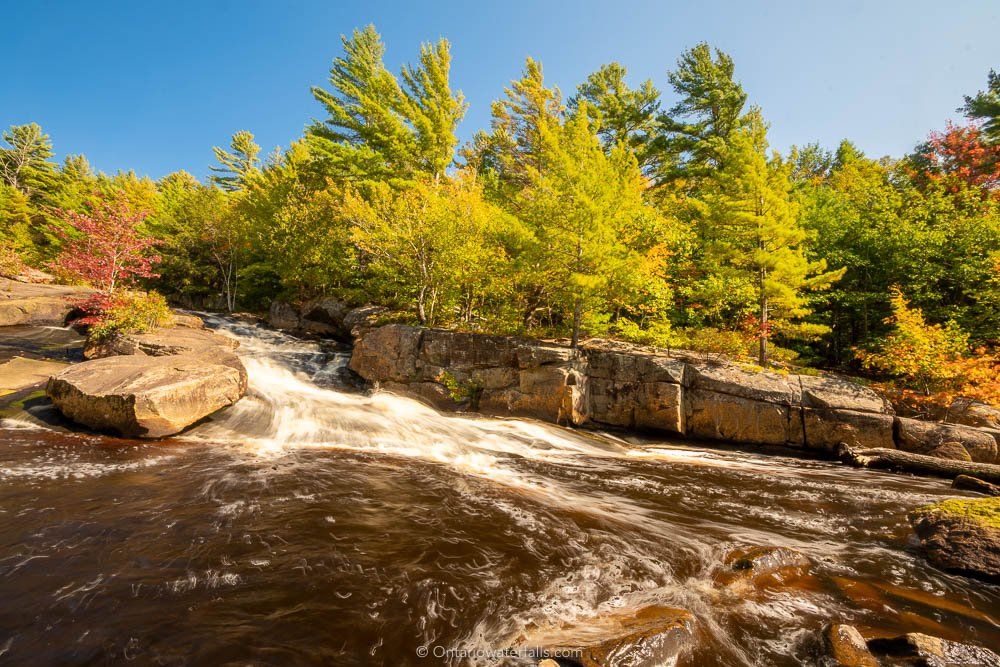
893	459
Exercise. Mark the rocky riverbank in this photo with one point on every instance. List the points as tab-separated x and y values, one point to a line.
146	385
610	384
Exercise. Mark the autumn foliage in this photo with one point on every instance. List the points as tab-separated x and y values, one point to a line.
960	156
103	247
931	364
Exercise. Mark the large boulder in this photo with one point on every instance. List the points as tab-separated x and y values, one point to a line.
830	392
283	315
733	380
388	353
922	437
962	536
325	317
973	413
143	396
655	635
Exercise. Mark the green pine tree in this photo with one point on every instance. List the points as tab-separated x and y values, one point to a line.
379	128
237	164
756	237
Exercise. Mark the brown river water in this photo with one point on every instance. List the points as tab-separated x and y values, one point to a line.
313	524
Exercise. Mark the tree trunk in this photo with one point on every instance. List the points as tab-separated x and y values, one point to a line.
917	463
762	356
577	314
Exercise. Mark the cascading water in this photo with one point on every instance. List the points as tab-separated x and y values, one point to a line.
311	523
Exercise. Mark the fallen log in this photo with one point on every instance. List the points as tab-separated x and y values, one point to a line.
894	459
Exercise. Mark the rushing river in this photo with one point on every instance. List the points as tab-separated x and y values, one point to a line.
313	524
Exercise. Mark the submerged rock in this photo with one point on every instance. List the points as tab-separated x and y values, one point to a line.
149	397
843	646
969	483
650	636
962	536
920	649
753	565
19	373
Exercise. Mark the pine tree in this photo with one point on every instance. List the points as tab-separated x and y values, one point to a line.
697	129
626	115
984	106
756	238
237	164
513	151
24	164
380	129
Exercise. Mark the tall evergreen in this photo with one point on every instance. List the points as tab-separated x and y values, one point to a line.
379	128
697	129
626	115
237	164
756	236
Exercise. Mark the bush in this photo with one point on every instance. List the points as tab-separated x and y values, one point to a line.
656	334
124	313
10	262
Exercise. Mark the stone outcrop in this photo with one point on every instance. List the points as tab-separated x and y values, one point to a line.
646	637
325	317
151	384
618	385
962	536
23	303
141	396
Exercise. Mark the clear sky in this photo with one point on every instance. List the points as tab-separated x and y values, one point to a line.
152	86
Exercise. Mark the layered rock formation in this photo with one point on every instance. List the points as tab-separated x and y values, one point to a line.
630	387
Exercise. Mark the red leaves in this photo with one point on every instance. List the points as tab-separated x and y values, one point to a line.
105	248
960	156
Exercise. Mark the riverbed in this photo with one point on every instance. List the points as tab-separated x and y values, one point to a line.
315	524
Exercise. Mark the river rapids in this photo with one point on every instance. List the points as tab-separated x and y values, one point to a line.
314	524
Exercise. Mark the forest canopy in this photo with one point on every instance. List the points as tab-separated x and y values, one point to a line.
602	213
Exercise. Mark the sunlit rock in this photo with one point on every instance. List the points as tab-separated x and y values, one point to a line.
843	646
149	397
920	649
921	437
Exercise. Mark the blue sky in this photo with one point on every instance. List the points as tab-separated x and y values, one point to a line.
153	86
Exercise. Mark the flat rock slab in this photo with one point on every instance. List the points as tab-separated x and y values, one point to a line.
19	373
149	397
29	303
